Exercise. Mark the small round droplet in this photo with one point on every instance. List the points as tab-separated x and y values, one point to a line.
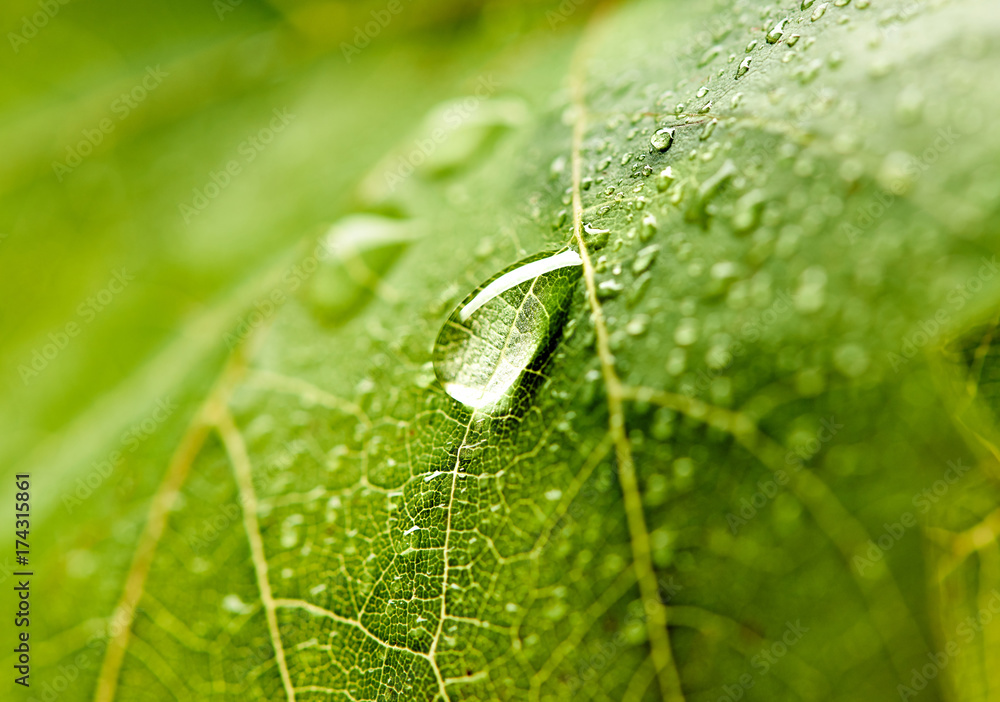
793	39
818	12
662	138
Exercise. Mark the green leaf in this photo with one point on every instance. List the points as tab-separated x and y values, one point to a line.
744	450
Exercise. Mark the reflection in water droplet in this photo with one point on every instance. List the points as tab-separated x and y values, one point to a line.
662	139
776	32
506	329
743	68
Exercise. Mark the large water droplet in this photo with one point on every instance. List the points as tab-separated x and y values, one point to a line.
662	139
506	329
743	67
776	32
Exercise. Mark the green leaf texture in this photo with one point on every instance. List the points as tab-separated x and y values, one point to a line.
755	460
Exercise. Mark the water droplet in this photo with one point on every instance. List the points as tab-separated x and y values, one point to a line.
686	332
841	3
702	91
596	238
352	259
818	12
744	67
806	4
751	46
644	259
709	128
648	228
709	55
609	288
706	107
506	328
637	325
851	360
793	40
662	138
776	32
665	178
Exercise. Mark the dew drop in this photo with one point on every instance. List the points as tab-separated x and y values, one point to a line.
818	12
743	68
806	4
665	178
793	40
505	329
777	31
662	139
706	132
709	55
644	259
